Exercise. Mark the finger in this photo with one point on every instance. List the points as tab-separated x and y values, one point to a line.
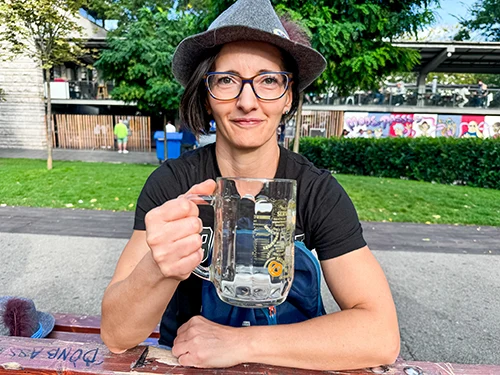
169	211
168	254
183	267
187	246
185	360
179	350
206	187
176	230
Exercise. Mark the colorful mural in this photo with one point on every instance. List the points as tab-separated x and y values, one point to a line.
492	127
448	125
408	125
425	125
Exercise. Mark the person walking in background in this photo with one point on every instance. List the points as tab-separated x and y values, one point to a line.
121	135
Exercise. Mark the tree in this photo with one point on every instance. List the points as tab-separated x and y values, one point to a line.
139	58
354	36
46	31
484	19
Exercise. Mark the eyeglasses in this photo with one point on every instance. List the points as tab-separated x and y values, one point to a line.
266	85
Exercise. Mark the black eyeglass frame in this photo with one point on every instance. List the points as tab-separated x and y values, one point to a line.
248	80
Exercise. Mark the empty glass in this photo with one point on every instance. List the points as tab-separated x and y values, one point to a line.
252	259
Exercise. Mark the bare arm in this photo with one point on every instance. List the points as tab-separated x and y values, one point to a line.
135	298
149	270
365	333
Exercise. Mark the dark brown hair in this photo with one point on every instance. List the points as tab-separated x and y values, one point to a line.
193	108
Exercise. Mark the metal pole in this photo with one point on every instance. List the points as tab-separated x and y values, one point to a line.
165	150
298	123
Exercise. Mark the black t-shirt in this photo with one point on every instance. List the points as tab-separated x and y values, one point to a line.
326	219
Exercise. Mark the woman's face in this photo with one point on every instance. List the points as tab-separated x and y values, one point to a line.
247	122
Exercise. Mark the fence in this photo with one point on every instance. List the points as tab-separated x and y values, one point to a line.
316	123
91	132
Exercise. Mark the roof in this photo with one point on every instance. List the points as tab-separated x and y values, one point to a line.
456	57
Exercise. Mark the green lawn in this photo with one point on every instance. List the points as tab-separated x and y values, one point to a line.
379	199
105	186
101	186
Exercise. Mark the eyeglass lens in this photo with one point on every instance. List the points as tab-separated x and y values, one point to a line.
267	86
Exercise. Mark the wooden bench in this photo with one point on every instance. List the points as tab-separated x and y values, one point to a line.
85	328
74	347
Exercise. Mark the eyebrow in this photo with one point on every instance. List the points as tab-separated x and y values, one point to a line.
259	72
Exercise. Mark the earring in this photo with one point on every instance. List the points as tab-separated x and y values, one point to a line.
286	112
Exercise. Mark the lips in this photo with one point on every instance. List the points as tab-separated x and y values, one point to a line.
247	121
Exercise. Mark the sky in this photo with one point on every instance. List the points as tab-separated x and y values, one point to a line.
451	8
445	17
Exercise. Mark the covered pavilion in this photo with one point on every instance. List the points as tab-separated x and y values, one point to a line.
453	57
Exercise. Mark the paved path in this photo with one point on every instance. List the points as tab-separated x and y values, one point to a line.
82	155
380	236
445	279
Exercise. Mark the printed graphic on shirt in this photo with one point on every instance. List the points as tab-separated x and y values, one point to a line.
207	242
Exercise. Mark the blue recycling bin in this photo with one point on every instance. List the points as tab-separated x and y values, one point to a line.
173	145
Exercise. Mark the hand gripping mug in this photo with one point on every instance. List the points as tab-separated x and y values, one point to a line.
252	259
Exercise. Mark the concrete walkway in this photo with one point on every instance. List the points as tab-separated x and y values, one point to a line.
82	155
380	236
444	279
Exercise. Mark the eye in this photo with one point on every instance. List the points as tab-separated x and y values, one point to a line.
269	80
225	80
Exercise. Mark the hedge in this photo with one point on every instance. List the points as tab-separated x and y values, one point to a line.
463	161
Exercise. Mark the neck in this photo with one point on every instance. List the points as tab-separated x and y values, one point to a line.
255	163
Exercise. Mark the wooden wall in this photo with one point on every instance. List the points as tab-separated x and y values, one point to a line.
331	121
95	132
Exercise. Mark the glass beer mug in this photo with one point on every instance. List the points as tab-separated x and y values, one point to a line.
252	259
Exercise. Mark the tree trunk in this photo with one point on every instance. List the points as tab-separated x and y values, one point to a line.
298	123
48	121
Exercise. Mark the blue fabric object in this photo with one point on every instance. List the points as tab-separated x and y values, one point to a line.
303	302
188	138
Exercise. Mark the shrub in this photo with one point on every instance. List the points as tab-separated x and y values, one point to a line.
465	161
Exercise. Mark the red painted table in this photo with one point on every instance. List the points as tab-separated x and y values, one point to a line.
74	347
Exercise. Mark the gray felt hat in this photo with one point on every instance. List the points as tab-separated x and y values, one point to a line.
35	324
252	20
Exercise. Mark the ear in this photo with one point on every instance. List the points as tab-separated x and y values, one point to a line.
289	100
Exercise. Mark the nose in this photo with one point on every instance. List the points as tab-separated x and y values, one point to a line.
247	101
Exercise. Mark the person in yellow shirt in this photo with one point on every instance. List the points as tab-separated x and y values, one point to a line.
121	135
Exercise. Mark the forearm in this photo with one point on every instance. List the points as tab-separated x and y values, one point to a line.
348	339
132	308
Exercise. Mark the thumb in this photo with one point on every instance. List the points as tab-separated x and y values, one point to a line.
207	187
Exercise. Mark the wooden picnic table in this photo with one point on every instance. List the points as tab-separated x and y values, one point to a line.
74	347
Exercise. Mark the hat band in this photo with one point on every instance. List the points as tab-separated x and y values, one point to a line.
38	334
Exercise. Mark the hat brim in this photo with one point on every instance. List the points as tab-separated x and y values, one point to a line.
189	52
47	321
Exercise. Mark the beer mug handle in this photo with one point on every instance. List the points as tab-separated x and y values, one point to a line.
198	199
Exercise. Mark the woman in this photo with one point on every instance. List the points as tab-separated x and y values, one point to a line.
245	73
